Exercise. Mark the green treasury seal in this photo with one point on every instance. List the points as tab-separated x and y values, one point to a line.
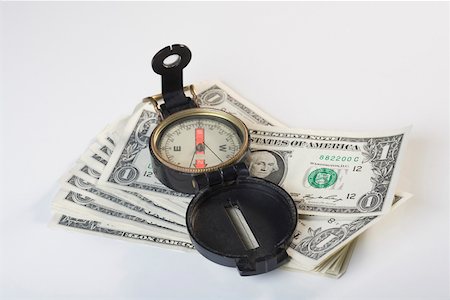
322	178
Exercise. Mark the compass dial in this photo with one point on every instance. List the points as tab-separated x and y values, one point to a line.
199	142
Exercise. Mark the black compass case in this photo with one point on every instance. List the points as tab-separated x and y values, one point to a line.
241	221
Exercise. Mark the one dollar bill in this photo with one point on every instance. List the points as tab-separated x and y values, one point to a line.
329	173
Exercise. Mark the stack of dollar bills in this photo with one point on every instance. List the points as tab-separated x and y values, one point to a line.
342	183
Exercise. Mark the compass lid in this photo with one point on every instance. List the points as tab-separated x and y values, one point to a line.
241	221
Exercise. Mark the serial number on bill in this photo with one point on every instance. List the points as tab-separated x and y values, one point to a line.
339	158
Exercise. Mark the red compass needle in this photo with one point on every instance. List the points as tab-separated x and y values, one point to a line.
200	147
199	140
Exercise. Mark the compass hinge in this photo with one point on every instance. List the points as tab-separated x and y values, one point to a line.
169	62
223	175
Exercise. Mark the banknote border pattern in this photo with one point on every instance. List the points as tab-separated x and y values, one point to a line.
75	181
305	245
94	226
257	118
128	155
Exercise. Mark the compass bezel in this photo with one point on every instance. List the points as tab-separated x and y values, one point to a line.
191	113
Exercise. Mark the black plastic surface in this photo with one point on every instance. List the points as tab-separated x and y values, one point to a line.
268	210
172	78
178	181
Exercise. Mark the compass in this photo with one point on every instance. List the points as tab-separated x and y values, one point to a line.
234	219
190	140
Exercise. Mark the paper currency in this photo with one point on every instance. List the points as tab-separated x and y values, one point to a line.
162	208
84	193
329	173
68	202
97	227
336	267
114	213
341	182
333	267
317	238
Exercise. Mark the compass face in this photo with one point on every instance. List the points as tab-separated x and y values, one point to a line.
199	142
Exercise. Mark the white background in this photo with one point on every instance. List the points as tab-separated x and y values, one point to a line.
70	68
